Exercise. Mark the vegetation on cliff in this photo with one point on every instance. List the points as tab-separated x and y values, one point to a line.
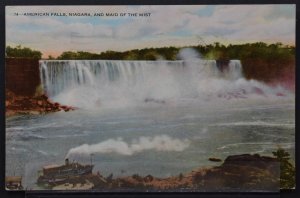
168	53
22	52
287	170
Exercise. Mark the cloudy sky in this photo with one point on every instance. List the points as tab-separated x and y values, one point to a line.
166	26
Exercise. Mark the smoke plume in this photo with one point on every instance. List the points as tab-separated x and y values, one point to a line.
119	146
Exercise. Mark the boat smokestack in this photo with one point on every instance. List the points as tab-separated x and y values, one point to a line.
67	161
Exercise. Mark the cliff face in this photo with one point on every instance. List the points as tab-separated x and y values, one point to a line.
22	75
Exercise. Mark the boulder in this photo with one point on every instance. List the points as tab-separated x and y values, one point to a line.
148	178
251	160
40	103
44	97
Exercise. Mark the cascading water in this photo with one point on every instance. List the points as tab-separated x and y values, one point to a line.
91	83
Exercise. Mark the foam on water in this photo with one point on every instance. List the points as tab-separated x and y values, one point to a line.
257	123
264	144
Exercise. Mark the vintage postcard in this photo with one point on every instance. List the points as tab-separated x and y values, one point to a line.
195	98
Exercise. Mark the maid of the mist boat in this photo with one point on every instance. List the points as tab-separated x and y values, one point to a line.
57	174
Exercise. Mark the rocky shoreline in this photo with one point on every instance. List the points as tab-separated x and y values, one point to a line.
31	105
246	173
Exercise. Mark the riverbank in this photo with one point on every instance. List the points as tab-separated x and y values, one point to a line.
33	105
237	173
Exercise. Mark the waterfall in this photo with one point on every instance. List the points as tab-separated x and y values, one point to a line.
87	83
60	75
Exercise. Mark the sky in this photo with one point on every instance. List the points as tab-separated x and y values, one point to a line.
161	26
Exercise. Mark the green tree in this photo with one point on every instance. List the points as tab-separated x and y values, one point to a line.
68	55
151	55
51	57
287	170
22	52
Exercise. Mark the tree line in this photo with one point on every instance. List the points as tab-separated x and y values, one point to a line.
22	52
